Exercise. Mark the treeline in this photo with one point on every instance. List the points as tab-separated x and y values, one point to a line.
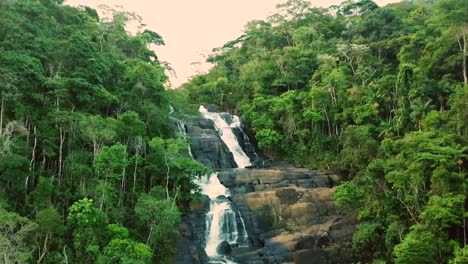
378	93
90	168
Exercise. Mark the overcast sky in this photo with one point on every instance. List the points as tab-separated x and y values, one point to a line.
192	28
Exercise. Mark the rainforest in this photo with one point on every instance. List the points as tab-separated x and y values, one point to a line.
351	119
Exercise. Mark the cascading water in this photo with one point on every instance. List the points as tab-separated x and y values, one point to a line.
225	131
181	127
221	220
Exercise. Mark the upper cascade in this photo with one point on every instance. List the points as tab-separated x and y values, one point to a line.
229	138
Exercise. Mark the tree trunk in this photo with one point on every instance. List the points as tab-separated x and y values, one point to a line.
33	158
1	118
62	140
135	172
44	250
167	175
328	122
149	234
65	257
465	77
122	188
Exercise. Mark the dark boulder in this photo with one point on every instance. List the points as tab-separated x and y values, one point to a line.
206	145
224	248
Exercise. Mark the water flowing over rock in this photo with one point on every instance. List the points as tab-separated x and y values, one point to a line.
279	214
222	220
224	129
206	146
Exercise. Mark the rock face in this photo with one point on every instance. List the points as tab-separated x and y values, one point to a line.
206	145
190	243
288	212
290	216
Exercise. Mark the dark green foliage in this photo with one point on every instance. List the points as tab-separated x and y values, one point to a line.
80	99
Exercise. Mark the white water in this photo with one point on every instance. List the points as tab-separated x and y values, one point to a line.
181	127
225	131
221	220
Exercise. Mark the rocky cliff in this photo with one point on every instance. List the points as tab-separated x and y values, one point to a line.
290	216
206	145
288	212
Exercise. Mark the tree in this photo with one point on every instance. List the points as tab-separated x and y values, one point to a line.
49	223
161	218
98	130
122	249
87	224
125	251
461	255
454	12
110	165
417	247
175	168
16	235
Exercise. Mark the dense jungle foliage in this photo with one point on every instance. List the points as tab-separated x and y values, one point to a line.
90	168
377	93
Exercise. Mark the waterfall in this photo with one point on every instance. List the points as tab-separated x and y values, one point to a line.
225	131
181	127
221	220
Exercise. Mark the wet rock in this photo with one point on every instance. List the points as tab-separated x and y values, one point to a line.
189	253
185	230
201	203
224	248
206	145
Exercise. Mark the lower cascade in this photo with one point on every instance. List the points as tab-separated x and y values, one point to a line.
221	220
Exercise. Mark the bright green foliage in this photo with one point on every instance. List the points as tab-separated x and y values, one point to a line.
83	213
417	247
172	166
111	162
88	224
16	238
443	212
129	125
98	130
461	255
125	251
378	94
267	138
117	231
347	196
161	218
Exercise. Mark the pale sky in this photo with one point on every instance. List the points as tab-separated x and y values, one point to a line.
192	28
